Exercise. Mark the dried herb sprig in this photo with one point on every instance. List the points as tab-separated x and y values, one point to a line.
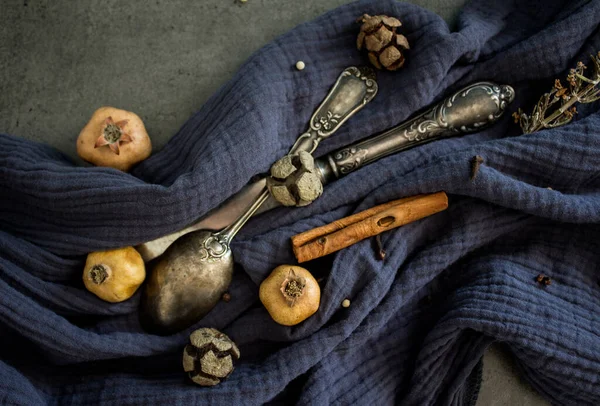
581	89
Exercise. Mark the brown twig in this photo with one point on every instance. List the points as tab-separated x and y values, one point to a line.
380	251
476	162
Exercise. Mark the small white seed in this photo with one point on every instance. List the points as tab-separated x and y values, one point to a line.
346	303
300	65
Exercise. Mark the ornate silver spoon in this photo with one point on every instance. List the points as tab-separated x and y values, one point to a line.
191	276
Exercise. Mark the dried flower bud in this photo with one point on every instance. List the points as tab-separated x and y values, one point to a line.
516	116
292	287
543	280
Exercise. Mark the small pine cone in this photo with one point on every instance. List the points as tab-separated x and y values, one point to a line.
378	36
209	357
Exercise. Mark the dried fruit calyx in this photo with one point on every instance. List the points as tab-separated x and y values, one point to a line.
99	273
113	134
292	287
209	358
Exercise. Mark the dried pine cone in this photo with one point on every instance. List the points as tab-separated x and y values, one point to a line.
210	356
378	36
294	180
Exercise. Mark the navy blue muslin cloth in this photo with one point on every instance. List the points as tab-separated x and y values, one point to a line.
419	321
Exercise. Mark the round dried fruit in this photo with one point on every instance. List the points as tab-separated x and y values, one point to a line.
290	294
209	358
114	275
115	138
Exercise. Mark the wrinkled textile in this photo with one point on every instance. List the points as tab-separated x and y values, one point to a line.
419	321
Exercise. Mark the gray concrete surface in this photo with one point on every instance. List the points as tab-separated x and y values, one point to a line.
60	60
502	385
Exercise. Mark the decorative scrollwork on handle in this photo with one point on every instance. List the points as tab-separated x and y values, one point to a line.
354	88
327	122
429	125
368	76
213	248
436	121
348	159
471	109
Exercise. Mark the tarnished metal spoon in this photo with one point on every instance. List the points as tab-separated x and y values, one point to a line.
191	276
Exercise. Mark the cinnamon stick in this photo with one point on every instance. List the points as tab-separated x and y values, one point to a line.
310	235
342	233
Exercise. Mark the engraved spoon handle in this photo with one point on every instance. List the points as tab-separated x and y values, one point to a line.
471	109
354	88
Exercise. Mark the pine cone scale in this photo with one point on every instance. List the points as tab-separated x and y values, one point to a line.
374	60
360	40
402	41
389	56
391	21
